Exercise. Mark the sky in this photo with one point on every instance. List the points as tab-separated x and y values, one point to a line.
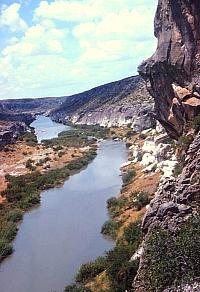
62	47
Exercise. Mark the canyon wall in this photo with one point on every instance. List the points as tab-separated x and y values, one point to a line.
170	260
172	73
119	103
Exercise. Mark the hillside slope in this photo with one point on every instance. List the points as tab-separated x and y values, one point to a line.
114	104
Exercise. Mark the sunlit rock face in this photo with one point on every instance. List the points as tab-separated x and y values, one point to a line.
120	103
173	72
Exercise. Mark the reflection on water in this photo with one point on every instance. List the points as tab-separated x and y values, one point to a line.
45	128
64	231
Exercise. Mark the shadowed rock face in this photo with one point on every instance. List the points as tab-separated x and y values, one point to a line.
172	73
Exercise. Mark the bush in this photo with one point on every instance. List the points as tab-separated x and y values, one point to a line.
5	249
196	122
29	165
121	271
14	215
141	200
133	234
76	288
8	231
115	205
128	176
110	228
173	258
30	139
178	169
91	270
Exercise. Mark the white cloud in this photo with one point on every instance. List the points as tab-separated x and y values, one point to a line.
74	45
10	17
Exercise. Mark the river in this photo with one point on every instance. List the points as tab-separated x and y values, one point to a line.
55	238
45	128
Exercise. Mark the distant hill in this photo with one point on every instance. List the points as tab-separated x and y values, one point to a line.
117	103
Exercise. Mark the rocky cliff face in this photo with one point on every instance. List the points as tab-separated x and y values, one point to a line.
172	73
169	260
10	131
115	104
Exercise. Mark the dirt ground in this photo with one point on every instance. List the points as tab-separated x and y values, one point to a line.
14	161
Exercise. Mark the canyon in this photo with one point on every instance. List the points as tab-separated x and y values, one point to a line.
120	103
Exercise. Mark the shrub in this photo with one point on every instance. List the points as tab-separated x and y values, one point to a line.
128	176
5	249
115	205
76	288
173	258
196	122
91	270
178	169
29	165
8	231
133	234
110	228
121	271
30	139
14	215
141	200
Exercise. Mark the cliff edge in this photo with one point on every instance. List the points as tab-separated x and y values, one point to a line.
170	259
172	73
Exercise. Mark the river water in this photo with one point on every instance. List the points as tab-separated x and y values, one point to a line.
55	238
45	128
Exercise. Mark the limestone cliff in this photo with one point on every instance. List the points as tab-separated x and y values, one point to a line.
170	259
117	103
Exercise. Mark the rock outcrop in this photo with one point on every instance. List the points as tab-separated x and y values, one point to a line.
10	131
172	73
120	103
172	77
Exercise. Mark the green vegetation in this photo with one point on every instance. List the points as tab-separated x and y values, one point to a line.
30	139
128	176
81	136
91	270
141	200
115	206
110	228
117	263
178	169
29	165
76	288
5	249
196	122
14	215
23	192
173	258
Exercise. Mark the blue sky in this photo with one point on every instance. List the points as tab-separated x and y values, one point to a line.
61	47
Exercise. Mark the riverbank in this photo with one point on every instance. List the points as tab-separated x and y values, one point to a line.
151	158
29	168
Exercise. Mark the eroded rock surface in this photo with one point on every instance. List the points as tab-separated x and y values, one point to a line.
120	103
172	73
172	77
10	131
